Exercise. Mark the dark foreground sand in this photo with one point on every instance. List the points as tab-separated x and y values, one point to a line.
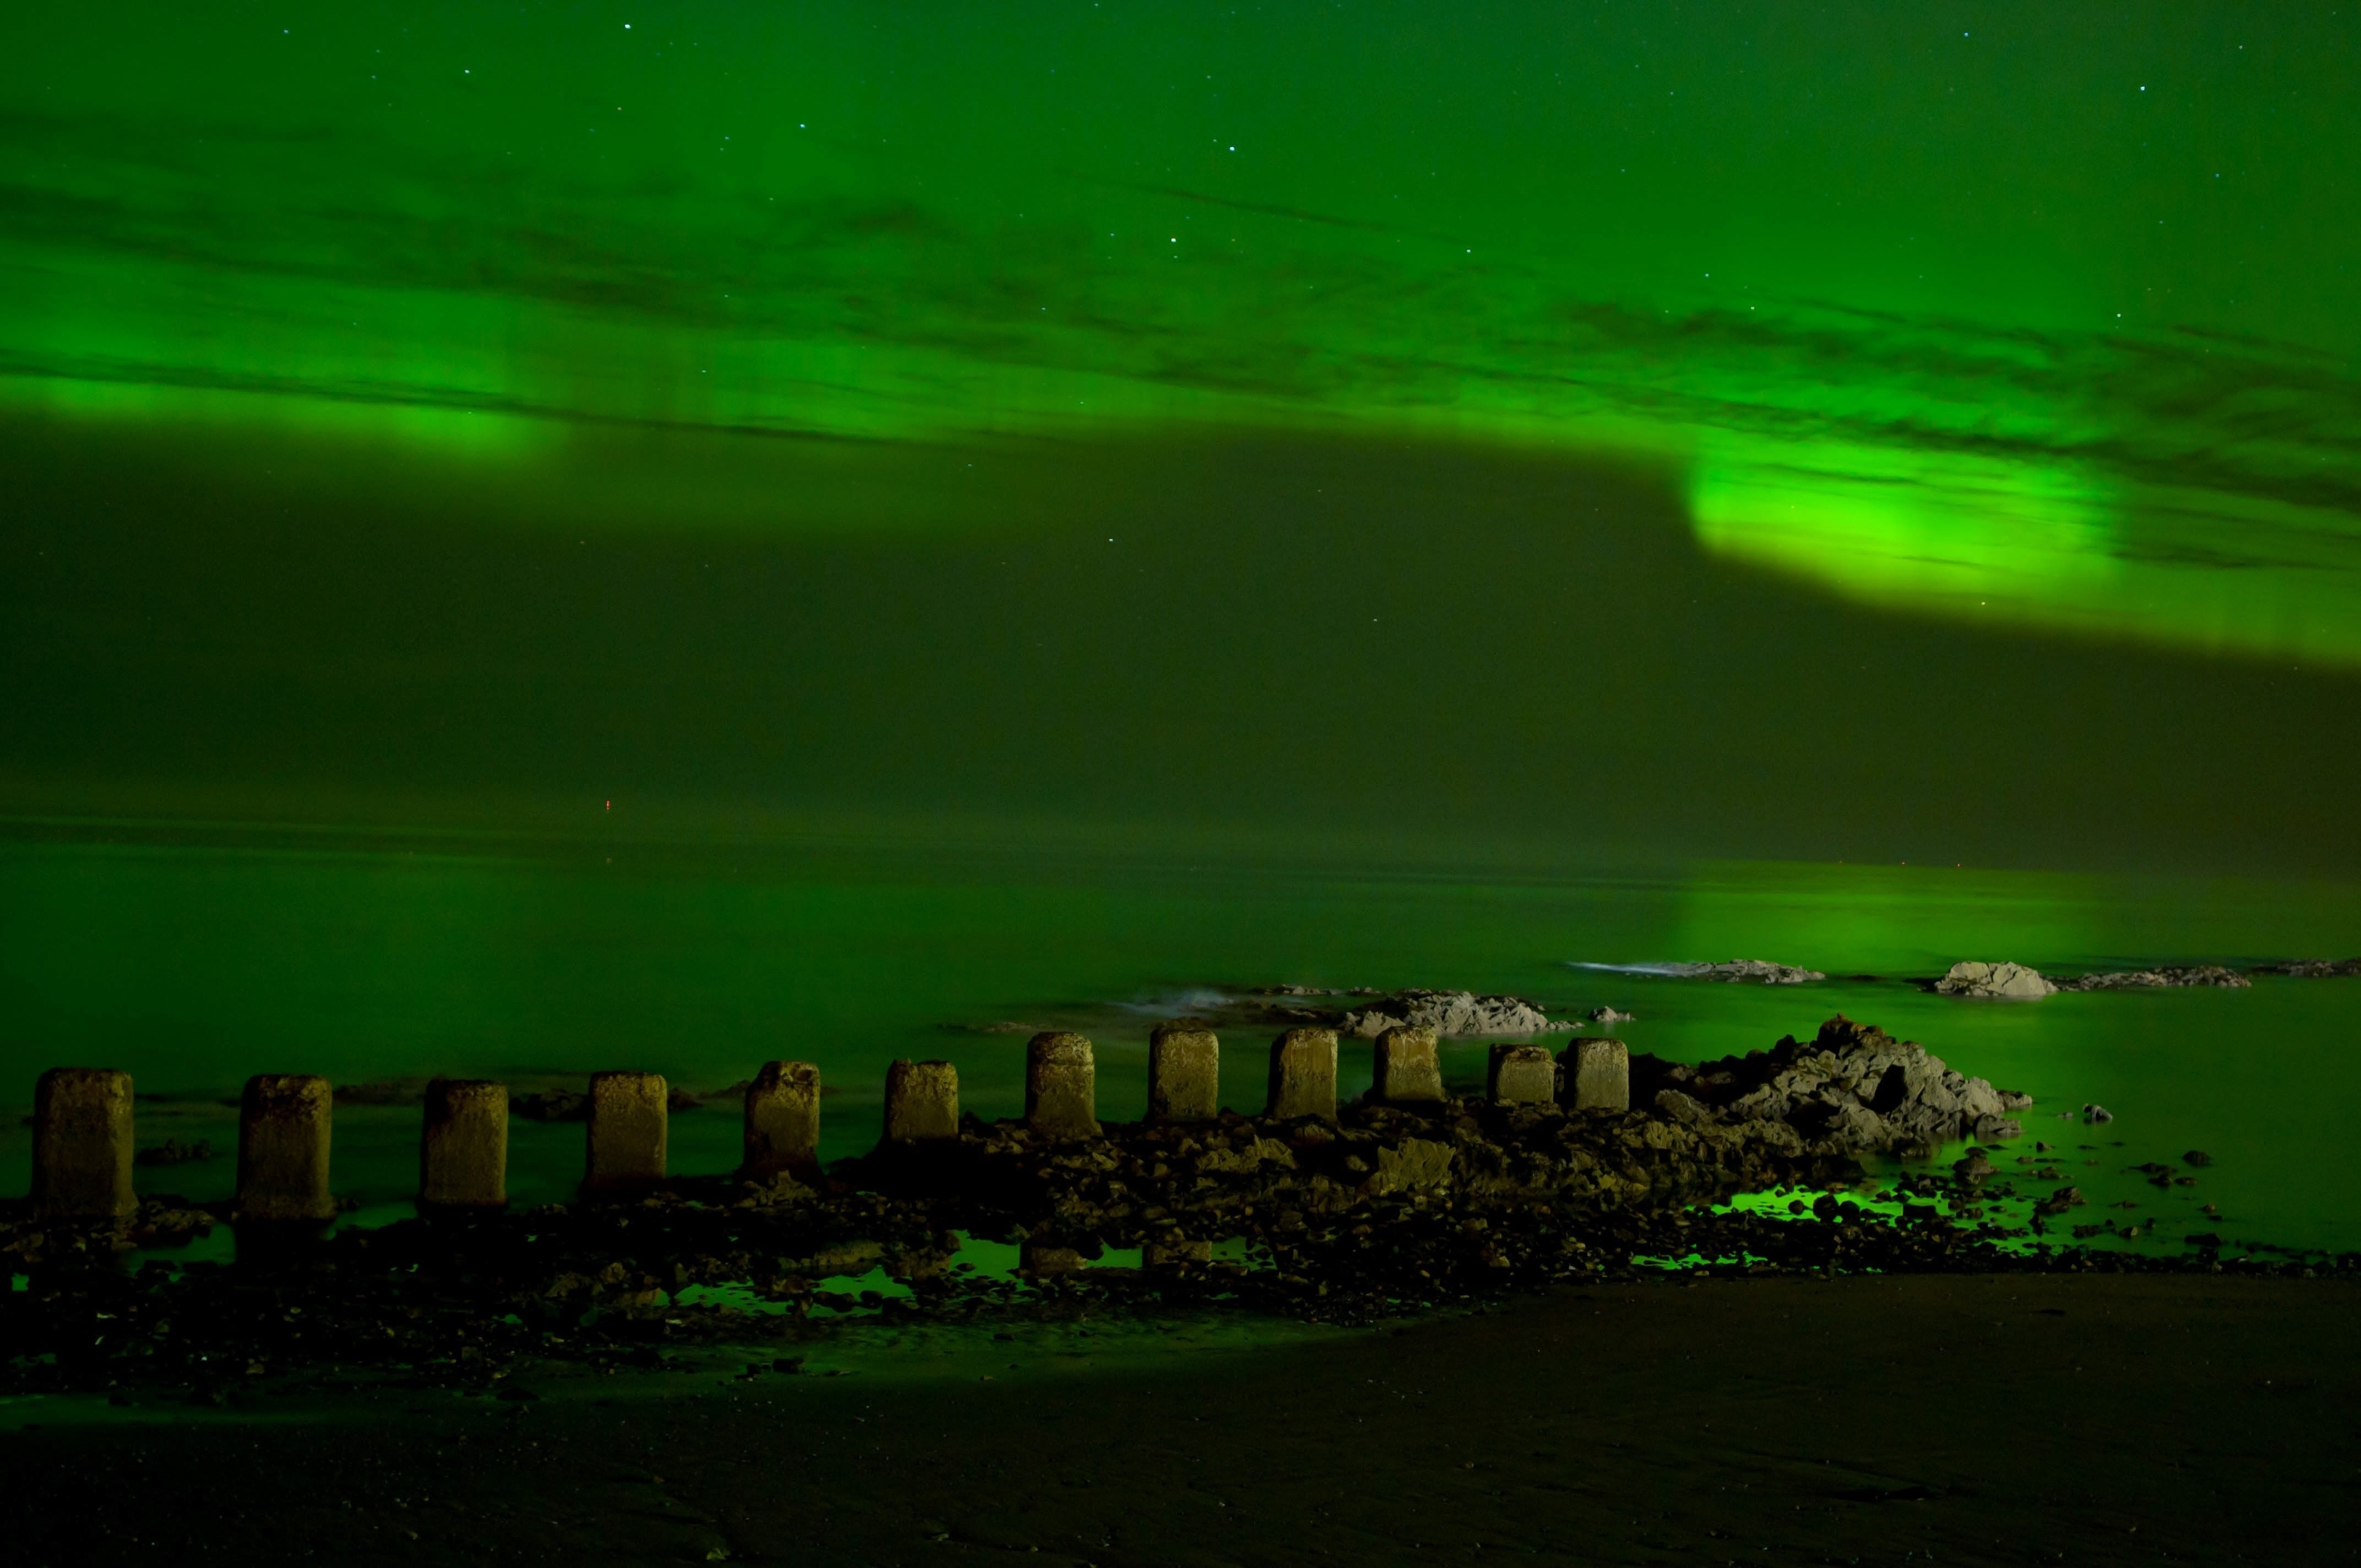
1946	1419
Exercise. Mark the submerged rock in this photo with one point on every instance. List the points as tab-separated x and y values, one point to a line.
1452	1014
2009	981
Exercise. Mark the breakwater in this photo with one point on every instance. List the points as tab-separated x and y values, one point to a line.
1592	1165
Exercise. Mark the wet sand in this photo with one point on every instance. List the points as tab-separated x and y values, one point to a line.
1860	1420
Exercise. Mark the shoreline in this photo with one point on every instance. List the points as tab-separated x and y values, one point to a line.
1975	1419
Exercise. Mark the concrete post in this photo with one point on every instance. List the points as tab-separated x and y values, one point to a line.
630	1123
921	1102
782	1121
283	1122
1409	1071
82	1144
463	1149
1061	1086
1521	1075
1597	1076
1303	1075
1184	1073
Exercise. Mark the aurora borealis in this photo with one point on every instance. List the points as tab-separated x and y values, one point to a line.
2016	342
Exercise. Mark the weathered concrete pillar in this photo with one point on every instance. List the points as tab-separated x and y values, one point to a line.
921	1102
1409	1070
1061	1091
1521	1075
1303	1074
631	1115
463	1149
782	1121
1184	1073
1597	1076
282	1148
82	1144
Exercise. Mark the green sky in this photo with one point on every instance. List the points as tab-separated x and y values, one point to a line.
1622	361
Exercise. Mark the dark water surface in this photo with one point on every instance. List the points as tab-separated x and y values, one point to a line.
192	965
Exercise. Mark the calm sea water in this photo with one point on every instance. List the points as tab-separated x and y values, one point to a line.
193	965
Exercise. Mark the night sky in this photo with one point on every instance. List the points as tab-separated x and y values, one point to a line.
1855	431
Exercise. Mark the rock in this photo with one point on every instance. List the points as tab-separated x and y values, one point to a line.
1682	1107
2313	969
1855	1087
2151	978
551	1105
1741	971
1411	1165
381	1092
2058	1203
1974	1167
2097	1114
1452	1014
1608	1015
2198	1158
172	1152
2008	982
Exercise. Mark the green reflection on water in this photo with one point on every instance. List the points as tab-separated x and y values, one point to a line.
194	968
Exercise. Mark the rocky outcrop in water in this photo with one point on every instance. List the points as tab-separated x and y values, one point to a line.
1855	1088
2005	981
2313	969
2157	978
1742	971
1452	1014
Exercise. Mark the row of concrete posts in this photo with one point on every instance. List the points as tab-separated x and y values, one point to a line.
82	1117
